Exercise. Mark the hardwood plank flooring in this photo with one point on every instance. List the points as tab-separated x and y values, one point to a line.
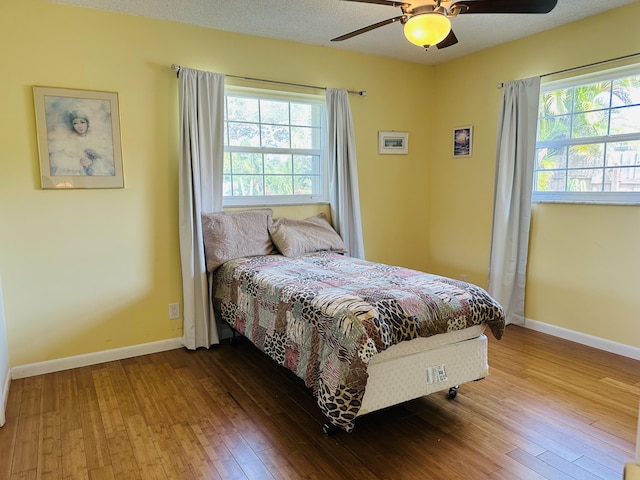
549	409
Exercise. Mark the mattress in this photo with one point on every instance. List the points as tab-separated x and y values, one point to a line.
426	343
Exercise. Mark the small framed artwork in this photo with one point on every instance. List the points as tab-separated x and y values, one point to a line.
462	141
390	143
78	138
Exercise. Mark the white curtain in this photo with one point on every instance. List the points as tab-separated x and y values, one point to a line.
512	200
200	190
341	154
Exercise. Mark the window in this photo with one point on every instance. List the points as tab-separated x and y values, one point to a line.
588	144
274	150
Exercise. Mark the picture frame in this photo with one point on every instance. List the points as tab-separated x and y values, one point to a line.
78	134
393	143
463	141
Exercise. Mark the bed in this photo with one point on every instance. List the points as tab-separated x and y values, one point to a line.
362	335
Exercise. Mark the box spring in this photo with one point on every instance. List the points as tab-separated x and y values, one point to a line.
394	378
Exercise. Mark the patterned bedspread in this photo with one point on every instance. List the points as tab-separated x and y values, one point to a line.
324	315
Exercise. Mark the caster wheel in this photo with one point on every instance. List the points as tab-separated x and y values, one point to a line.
329	429
453	392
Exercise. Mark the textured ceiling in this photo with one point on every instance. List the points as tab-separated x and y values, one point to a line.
317	21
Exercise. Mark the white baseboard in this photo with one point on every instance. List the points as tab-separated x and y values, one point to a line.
59	364
584	339
5	396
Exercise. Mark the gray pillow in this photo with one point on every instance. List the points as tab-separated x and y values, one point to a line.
229	235
297	237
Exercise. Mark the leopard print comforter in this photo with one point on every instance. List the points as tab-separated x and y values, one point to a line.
324	315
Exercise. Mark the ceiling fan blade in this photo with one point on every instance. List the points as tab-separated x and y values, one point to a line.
366	29
382	2
505	6
449	40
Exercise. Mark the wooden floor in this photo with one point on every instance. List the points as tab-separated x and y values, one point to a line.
550	409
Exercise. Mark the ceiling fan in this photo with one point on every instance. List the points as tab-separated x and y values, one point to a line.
426	22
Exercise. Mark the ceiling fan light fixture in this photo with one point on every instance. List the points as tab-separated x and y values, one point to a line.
427	28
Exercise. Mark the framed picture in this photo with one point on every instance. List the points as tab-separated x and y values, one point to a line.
78	138
393	143
462	141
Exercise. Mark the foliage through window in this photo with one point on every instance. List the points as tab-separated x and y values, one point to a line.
274	148
588	144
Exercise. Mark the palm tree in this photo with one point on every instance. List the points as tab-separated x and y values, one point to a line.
581	112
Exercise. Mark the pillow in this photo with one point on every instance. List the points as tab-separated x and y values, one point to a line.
297	237
229	235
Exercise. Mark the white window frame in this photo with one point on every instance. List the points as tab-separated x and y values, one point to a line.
602	198
275	200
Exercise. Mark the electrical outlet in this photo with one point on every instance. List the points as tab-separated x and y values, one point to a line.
463	277
174	311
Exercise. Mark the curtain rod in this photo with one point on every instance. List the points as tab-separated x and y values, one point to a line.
362	93
594	64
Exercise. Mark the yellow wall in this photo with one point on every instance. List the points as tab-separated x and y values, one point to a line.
583	261
90	270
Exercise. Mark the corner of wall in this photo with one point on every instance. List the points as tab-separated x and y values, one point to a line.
5	396
5	372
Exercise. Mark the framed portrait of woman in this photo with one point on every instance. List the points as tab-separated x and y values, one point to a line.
78	138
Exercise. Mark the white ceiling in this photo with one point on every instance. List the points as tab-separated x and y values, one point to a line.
317	21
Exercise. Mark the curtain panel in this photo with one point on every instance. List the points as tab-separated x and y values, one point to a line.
201	97
341	155
512	198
